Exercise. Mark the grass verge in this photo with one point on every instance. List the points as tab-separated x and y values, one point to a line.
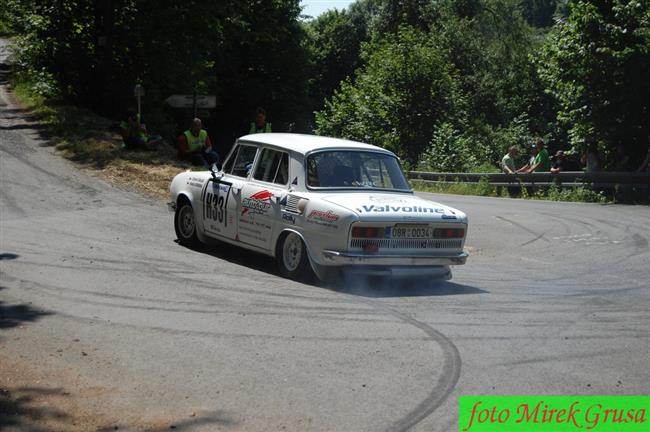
90	140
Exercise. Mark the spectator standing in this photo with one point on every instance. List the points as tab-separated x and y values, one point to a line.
531	160
508	161
539	160
260	125
194	146
542	162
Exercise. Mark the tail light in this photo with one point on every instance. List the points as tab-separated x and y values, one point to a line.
449	233
367	232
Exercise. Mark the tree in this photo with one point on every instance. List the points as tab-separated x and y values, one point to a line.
596	64
405	90
92	52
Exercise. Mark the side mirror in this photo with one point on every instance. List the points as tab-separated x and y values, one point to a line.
214	169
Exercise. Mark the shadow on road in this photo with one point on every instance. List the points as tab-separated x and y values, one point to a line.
217	419
5	71
38	409
17	127
368	287
416	287
236	255
20	410
15	315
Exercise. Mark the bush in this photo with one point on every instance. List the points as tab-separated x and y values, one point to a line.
448	151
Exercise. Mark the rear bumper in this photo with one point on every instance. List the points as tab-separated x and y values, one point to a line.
345	259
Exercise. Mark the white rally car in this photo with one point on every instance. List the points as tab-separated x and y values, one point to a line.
321	204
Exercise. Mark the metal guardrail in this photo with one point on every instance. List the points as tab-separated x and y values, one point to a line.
595	180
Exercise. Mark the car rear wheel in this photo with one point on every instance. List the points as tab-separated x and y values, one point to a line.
185	224
293	261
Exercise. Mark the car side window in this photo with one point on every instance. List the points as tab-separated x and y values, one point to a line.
273	167
243	161
227	166
282	177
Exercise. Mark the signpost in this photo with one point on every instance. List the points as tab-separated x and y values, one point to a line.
192	101
138	92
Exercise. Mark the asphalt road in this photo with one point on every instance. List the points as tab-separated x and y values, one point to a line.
100	305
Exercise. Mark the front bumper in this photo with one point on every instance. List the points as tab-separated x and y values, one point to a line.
342	258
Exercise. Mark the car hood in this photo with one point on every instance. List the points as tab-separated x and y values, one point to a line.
391	207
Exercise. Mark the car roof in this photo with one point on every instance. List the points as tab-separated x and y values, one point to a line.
302	143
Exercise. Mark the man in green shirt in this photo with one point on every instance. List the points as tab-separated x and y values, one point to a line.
541	162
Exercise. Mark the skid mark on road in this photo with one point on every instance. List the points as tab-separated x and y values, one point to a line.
559	358
237	336
538	236
447	378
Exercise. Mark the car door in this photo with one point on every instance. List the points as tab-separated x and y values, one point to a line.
222	196
260	209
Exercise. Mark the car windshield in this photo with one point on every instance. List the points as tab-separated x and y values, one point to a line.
355	169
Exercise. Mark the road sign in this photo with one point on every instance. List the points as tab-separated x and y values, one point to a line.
187	101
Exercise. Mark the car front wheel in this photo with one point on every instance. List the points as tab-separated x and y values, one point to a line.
292	258
185	224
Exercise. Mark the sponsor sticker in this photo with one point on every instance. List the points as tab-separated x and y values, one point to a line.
195	182
287	217
553	413
258	203
386	199
398	209
324	218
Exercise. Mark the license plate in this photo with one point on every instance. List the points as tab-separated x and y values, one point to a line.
412	232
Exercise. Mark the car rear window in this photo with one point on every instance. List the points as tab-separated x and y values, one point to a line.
355	169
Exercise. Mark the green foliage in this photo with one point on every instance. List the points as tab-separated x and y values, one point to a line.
449	151
539	13
334	43
246	53
596	63
579	194
398	98
483	188
448	85
11	12
448	92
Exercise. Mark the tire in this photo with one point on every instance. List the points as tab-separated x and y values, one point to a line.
185	224
292	258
